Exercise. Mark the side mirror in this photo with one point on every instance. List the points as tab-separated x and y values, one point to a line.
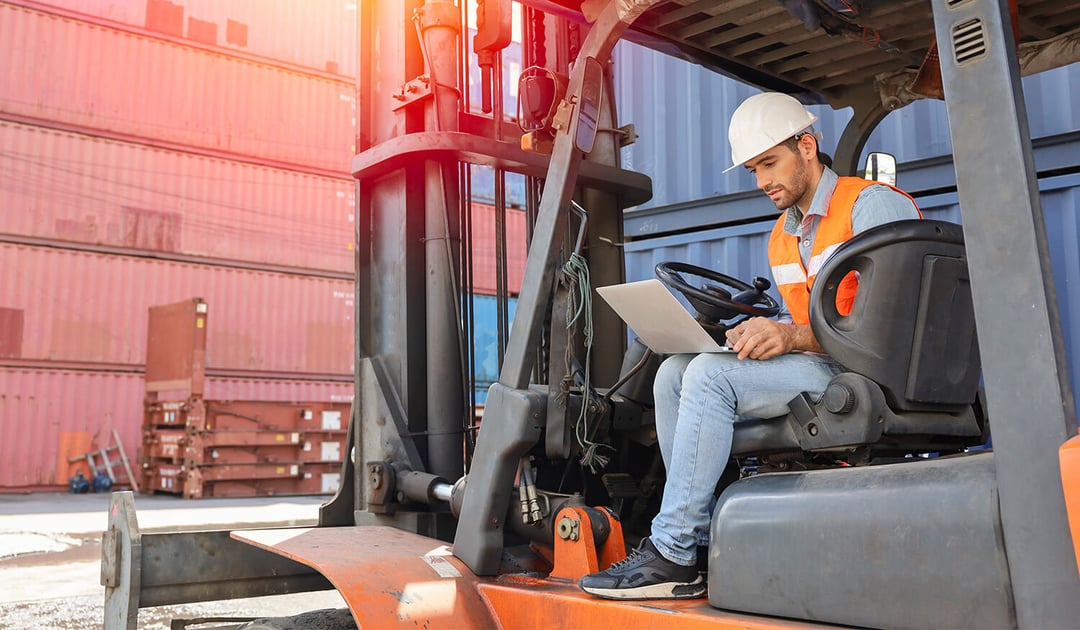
881	167
588	109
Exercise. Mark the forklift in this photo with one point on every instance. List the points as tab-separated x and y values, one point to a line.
876	506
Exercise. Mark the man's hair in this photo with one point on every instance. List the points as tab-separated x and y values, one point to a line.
793	144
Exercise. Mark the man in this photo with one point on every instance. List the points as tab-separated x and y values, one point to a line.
700	397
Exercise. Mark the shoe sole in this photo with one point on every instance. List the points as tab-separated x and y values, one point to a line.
666	590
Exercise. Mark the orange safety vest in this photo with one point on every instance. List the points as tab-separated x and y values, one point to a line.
793	280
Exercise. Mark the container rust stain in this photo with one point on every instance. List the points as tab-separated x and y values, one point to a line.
11	333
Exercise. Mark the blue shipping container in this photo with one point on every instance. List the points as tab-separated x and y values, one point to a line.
741	251
485	342
682	138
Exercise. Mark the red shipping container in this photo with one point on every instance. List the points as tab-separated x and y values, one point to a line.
191	448
179	446
65	186
47	416
222	389
94	77
311	483
311	479
483	245
243	447
163	478
272	416
89	307
237	480
163	445
320	34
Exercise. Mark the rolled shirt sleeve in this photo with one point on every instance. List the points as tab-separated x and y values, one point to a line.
877	205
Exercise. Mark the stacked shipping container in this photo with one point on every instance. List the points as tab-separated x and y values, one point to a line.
132	83
91	190
198	446
317	35
152	151
228	449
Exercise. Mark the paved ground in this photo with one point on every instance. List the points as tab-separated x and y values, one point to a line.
50	550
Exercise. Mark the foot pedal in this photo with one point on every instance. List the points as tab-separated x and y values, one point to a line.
620	486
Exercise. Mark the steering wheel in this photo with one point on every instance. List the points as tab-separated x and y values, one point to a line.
714	301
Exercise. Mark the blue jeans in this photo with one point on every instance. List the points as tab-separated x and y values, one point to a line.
699	398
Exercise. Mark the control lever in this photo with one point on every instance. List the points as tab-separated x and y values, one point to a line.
753	296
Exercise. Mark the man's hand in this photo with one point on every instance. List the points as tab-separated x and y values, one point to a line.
762	338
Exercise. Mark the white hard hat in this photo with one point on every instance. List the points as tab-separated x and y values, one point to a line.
763	121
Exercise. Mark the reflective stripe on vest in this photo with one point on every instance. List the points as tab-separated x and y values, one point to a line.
794	281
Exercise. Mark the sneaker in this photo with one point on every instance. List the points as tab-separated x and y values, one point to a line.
645	574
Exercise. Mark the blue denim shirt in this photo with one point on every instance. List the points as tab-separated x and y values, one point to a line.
874	206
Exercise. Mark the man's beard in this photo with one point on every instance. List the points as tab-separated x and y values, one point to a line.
800	181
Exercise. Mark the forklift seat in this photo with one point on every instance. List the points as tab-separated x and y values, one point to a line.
908	345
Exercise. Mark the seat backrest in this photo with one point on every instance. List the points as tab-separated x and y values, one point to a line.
911	328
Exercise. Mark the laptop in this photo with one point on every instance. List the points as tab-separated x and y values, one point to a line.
658	318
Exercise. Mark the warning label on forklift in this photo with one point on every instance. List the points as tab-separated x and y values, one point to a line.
437	559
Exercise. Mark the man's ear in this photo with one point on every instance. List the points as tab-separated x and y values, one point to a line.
808	147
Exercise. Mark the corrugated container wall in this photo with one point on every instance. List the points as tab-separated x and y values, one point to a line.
741	251
73	306
486	342
153	151
319	34
162	91
51	415
80	188
222	388
683	147
484	249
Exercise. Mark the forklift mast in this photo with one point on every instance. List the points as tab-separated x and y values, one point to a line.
418	138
